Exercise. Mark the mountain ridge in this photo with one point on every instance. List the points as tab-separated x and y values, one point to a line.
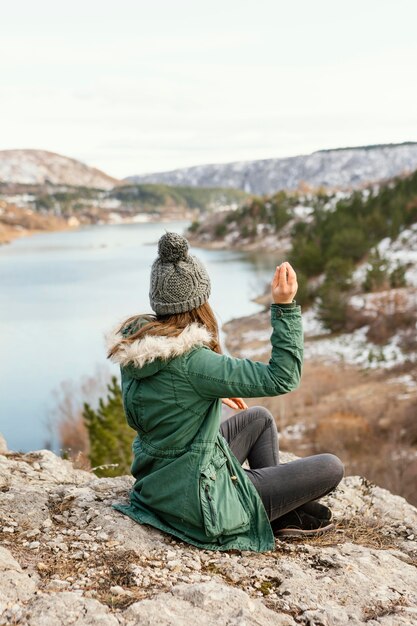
36	166
344	168
337	168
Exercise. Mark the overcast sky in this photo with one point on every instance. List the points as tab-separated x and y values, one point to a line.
134	86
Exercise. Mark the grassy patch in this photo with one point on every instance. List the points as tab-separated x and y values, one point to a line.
29	457
381	609
361	530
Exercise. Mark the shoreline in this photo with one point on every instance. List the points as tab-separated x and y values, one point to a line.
8	236
17	222
10	233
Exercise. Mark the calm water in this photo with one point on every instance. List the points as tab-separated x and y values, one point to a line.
61	291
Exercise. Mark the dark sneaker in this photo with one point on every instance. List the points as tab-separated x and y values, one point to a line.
316	509
297	523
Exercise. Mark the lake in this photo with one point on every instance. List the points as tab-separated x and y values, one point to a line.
61	291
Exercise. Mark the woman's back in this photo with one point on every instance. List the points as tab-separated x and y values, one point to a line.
188	481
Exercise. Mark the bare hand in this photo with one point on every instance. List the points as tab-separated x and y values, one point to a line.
284	284
235	403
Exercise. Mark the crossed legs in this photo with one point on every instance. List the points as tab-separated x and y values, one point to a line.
252	435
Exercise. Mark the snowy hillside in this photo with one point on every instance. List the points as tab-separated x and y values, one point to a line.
40	166
346	168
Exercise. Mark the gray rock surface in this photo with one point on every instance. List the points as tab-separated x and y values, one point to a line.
210	603
67	557
67	609
3	444
15	584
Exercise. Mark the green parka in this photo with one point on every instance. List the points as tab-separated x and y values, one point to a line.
188	482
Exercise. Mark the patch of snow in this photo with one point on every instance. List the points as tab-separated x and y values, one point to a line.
256	335
109	203
232	237
354	349
254	353
390	302
402	250
294	431
405	379
359	274
312	326
21	199
302	212
141	218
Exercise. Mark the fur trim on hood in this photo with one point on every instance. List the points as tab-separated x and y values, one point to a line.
150	348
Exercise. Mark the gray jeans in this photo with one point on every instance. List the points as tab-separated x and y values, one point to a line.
252	435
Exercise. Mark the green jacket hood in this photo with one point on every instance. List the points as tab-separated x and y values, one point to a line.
150	354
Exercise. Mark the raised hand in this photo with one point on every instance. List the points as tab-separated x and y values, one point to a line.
284	284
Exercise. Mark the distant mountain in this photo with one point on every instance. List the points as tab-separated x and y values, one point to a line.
344	168
37	167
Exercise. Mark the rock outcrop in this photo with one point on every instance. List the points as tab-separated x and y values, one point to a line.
68	558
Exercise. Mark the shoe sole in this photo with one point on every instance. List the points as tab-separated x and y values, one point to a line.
298	532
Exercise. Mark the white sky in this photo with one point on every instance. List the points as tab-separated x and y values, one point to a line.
137	86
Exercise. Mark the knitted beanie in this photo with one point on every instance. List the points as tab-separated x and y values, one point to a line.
179	281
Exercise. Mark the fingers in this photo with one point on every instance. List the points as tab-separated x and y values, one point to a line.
284	274
240	403
235	403
287	272
291	275
275	278
230	403
284	285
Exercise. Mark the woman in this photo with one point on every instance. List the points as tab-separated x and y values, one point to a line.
189	478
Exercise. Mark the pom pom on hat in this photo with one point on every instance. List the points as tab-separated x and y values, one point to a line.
172	248
179	281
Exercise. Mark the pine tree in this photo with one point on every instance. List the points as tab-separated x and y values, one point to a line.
109	434
333	307
376	278
397	276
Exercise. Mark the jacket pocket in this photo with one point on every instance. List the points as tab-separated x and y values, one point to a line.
222	509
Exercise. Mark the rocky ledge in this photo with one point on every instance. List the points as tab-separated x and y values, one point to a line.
68	558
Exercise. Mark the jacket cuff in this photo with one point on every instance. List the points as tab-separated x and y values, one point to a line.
278	310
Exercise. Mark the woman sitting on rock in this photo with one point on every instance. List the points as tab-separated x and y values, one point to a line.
189	478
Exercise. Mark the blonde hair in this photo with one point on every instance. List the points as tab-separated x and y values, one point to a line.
170	326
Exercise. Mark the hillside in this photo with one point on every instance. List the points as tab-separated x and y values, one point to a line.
356	261
67	557
37	167
345	168
358	394
324	233
29	208
18	222
152	196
